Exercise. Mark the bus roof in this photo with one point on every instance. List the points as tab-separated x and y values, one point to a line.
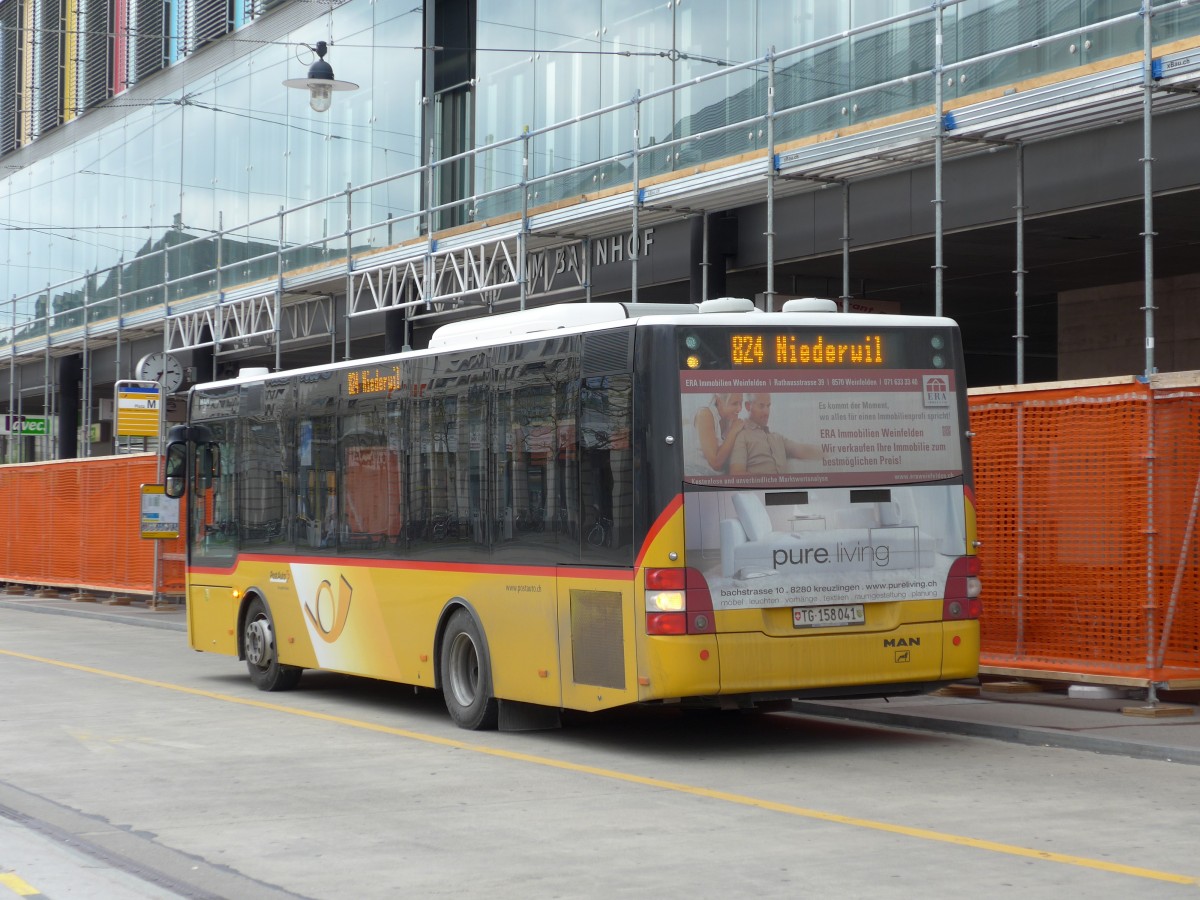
504	328
557	317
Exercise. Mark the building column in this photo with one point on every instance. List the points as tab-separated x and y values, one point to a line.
394	338
205	358
70	370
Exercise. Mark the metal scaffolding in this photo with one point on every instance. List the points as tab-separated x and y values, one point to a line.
502	261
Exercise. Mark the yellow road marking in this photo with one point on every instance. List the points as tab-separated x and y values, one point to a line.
692	790
17	886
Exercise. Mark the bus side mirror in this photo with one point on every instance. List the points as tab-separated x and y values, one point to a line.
176	469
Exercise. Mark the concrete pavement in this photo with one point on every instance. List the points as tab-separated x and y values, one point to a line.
1043	714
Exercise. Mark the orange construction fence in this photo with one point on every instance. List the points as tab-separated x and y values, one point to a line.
1088	497
77	524
1088	512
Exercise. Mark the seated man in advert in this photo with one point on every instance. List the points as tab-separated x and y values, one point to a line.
759	451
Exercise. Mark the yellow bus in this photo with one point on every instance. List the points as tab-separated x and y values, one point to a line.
589	505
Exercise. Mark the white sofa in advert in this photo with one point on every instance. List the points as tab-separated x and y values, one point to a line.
868	537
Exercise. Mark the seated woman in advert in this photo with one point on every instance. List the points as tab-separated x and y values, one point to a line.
717	425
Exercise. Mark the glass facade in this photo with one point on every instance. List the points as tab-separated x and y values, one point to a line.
136	207
230	167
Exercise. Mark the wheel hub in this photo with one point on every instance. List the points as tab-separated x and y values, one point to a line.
464	670
259	641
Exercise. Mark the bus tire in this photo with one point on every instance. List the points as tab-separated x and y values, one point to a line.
262	653
465	674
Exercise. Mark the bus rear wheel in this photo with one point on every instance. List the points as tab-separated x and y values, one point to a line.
466	673
262	654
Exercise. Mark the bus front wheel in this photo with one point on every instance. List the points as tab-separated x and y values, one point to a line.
262	653
466	673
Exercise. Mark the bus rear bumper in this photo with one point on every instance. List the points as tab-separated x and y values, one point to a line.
915	659
934	653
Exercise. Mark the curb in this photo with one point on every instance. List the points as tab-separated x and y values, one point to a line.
128	618
1013	734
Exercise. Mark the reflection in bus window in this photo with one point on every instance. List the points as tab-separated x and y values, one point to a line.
259	470
211	501
447	462
371	514
537	500
565	488
606	467
316	482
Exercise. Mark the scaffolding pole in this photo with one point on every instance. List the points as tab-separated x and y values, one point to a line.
637	130
48	396
279	304
845	246
1148	179
1148	261
523	234
12	381
349	271
939	142
587	269
770	181
1020	272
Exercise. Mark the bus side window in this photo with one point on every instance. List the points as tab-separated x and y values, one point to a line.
316	504
261	502
370	492
447	462
216	531
566	464
606	467
535	492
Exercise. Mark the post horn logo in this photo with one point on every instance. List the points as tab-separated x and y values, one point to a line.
328	613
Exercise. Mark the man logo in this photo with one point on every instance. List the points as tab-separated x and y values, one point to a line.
327	613
903	656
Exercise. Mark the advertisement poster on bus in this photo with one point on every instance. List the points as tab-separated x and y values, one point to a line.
791	429
821	485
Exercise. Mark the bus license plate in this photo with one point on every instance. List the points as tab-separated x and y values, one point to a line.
828	616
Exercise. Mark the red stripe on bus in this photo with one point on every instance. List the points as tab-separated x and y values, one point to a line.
659	524
449	568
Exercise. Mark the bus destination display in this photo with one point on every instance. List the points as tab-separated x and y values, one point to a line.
784	350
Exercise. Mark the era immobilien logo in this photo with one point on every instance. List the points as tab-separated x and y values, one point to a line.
937	390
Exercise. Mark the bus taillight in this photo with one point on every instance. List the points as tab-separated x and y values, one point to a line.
678	602
963	589
666	623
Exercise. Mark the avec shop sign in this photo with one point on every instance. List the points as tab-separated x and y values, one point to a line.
26	425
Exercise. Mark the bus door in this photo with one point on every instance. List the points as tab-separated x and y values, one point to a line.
213	539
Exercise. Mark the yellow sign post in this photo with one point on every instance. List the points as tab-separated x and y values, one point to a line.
160	513
139	409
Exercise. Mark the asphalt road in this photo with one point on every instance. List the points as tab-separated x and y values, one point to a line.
132	767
